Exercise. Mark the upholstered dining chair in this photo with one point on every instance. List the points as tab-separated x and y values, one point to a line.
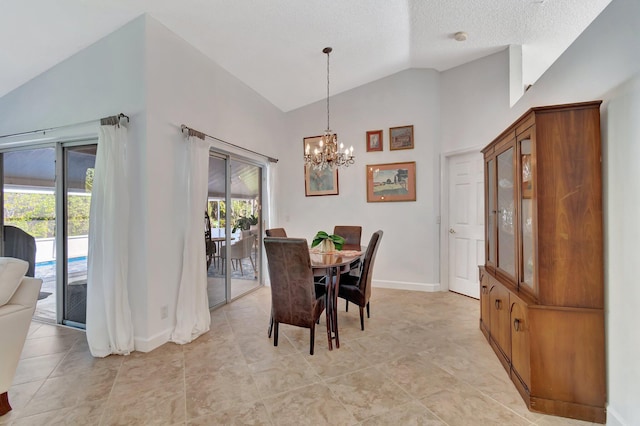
357	289
294	299
351	235
276	232
239	250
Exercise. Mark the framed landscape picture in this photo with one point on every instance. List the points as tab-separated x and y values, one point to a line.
318	182
401	138
374	140
391	182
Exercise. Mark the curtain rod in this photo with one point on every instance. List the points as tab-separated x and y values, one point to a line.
271	159
44	131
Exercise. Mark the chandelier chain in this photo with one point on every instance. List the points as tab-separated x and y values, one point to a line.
328	127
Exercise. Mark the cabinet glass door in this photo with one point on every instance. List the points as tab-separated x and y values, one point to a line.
527	257
491	212
505	213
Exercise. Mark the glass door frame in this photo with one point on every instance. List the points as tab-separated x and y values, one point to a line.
62	248
228	157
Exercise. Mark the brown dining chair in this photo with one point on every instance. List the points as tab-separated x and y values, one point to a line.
276	232
351	235
358	289
294	299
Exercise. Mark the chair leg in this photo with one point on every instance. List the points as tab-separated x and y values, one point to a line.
275	334
270	329
312	337
240	263
368	310
346	305
362	318
5	407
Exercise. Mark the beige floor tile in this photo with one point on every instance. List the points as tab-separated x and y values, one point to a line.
86	414
464	405
226	389
410	414
279	375
367	393
157	406
312	405
249	413
36	368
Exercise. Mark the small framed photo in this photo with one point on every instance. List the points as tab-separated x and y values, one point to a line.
401	137
318	182
391	182
374	140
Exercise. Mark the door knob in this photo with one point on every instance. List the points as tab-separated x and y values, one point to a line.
451	231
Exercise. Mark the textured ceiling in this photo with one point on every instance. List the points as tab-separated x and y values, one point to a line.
275	46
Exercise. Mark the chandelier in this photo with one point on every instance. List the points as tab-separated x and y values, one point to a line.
328	155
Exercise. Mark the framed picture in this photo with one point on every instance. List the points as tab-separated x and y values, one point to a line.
318	182
391	182
401	138
374	140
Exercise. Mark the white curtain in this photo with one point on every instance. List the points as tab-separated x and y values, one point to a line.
192	310
109	324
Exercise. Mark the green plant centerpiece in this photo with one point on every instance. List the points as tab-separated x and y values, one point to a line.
244	223
327	242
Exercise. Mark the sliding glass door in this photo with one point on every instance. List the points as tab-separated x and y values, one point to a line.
234	208
78	166
46	222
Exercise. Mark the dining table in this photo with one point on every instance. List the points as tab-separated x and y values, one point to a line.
331	265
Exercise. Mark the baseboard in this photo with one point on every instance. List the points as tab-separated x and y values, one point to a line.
153	342
400	285
615	419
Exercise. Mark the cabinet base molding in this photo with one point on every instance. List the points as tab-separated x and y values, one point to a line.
568	409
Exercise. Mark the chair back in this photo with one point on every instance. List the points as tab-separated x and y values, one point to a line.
276	232
21	245
292	289
367	264
351	235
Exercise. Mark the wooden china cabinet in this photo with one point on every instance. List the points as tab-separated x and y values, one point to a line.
542	285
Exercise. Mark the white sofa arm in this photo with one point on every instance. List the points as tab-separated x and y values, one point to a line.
15	319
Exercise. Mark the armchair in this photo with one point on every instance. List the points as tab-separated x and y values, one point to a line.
18	298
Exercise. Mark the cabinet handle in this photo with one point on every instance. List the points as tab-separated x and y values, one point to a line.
516	324
484	289
498	304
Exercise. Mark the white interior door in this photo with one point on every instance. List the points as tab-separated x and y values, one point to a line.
466	222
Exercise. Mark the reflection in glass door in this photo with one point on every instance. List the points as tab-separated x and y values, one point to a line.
233	216
79	163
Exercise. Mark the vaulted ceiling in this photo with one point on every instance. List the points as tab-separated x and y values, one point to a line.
275	46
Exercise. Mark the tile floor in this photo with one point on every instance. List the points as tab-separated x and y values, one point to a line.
420	361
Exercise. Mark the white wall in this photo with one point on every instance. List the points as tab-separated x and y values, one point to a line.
104	79
603	63
408	253
185	87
